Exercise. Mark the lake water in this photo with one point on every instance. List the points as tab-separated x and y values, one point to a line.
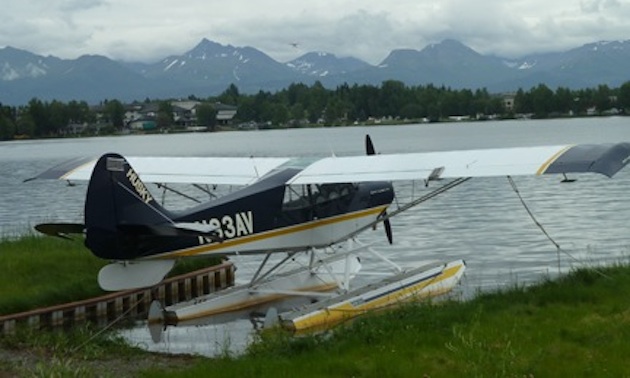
481	221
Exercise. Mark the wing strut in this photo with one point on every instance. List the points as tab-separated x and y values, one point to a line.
411	204
428	196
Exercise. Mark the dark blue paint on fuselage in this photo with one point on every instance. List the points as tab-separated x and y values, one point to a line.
119	225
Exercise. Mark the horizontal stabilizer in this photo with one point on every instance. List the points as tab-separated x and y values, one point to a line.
61	230
196	227
175	229
127	275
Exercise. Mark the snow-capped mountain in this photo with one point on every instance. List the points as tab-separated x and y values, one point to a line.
212	62
322	64
209	68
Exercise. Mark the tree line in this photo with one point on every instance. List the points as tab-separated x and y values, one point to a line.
300	104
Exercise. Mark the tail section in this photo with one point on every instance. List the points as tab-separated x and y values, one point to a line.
119	211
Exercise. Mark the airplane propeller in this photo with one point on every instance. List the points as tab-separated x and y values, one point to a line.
369	150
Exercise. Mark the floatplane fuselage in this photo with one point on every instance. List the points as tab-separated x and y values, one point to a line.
124	222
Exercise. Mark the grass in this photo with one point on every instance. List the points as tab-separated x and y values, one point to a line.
577	326
43	271
82	352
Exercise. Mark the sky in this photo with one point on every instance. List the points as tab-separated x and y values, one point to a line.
147	31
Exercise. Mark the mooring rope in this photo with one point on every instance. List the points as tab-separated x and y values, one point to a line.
110	324
544	231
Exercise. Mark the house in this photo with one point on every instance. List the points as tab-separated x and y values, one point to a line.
143	116
508	101
225	113
184	113
143	124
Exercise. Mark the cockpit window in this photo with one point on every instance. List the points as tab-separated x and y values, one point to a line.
312	195
295	197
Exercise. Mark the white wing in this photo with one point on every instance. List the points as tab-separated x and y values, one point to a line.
188	170
606	159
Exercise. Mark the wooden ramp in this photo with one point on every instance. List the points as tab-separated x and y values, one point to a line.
130	304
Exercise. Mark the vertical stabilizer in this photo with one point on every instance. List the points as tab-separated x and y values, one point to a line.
118	202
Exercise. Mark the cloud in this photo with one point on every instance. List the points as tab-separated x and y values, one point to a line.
368	29
595	6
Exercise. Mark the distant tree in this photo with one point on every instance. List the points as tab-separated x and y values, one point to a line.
261	107
9	112
280	114
601	98
165	118
433	112
345	103
7	128
58	116
365	102
563	100
38	112
449	104
542	101
115	113
412	111
246	109
495	106
624	96
206	115
297	94
79	112
297	112
582	100
523	102
230	96
335	111
26	126
316	101
392	97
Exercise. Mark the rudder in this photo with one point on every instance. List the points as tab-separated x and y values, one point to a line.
117	202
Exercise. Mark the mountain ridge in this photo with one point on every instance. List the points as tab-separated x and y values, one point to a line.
210	67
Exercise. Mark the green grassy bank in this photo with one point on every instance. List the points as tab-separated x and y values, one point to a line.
578	326
42	271
575	326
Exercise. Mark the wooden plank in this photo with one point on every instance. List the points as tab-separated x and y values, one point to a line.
131	303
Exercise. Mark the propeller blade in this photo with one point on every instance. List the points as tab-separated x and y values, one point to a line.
388	231
369	150
388	227
369	146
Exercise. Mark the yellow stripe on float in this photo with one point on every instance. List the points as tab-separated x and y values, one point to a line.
333	315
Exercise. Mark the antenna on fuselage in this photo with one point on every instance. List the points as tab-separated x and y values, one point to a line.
254	164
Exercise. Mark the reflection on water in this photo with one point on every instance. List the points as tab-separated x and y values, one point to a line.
481	221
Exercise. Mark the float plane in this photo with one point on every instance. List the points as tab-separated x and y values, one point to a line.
286	206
